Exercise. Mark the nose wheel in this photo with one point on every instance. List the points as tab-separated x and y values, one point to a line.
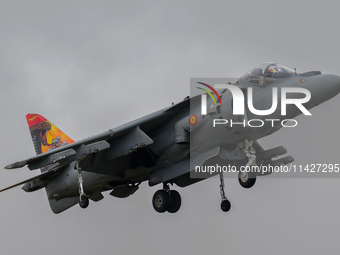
246	179
166	200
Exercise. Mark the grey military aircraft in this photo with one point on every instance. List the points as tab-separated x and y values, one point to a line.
167	146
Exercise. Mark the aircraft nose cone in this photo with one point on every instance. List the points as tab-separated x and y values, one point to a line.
324	87
333	84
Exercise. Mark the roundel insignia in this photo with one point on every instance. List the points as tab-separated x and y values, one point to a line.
193	120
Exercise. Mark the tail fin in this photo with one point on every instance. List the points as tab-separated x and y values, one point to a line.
45	135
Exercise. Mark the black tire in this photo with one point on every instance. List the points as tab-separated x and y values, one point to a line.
83	201
160	201
225	206
246	179
175	202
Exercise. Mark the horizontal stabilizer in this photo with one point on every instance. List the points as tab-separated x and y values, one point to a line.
38	177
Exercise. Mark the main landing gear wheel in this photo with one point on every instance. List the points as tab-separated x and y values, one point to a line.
246	179
166	200
161	201
175	202
225	205
83	201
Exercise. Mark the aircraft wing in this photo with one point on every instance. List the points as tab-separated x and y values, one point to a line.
130	136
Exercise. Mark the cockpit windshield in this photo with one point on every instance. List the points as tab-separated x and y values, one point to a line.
266	73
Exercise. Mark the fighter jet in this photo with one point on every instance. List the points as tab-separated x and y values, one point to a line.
168	146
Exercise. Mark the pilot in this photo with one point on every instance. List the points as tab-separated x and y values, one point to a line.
258	75
261	80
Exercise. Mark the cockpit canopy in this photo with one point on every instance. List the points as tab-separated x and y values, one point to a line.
265	74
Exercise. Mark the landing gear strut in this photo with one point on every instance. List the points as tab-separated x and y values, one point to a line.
225	204
247	177
83	199
166	200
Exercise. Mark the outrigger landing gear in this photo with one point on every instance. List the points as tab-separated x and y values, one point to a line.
225	204
166	200
83	199
247	177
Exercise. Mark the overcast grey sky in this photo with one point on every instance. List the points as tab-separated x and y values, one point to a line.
88	66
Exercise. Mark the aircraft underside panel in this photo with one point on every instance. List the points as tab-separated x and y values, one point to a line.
181	168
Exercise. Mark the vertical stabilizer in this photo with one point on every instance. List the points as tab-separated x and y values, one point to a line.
45	135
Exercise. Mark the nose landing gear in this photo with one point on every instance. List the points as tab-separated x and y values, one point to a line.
247	177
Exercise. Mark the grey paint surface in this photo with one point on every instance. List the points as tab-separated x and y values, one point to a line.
88	67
